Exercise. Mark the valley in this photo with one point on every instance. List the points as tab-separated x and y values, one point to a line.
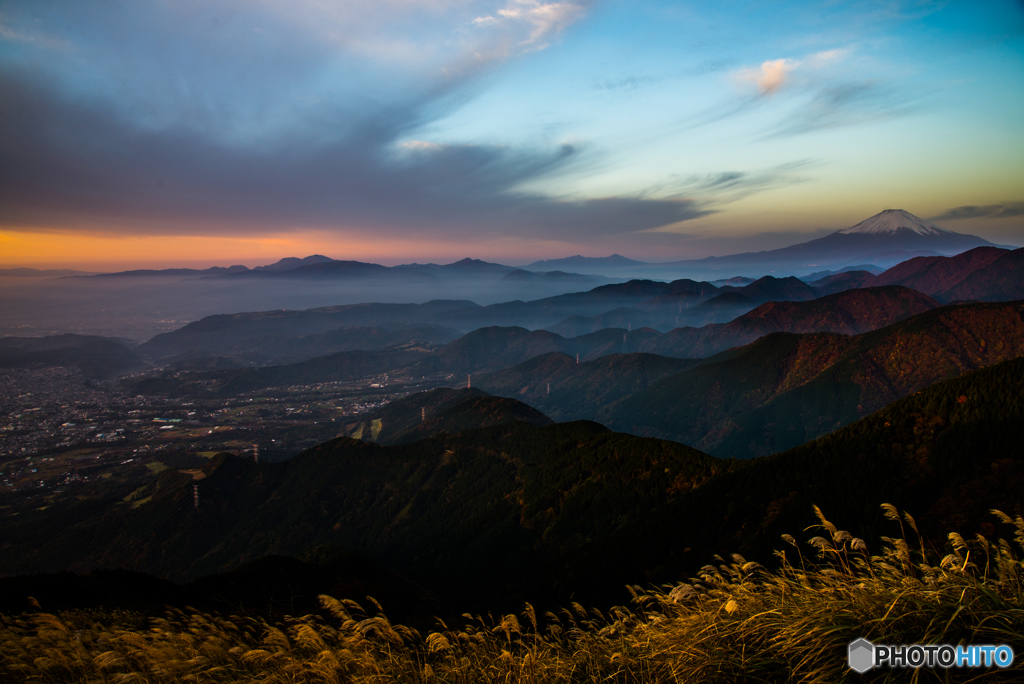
450	456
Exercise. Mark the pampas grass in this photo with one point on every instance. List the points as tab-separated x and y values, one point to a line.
735	622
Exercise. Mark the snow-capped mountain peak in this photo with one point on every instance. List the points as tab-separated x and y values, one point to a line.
892	221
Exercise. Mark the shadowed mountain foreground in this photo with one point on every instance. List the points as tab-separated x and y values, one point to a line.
491	517
735	622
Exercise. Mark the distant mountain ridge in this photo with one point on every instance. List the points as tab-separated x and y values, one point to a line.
985	274
318	266
582	263
885	239
291	263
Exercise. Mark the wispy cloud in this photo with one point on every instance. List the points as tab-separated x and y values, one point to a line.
846	104
892	10
1005	210
76	164
33	38
730	186
206	119
541	21
774	74
821	90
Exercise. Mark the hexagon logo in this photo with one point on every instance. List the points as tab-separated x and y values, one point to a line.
861	656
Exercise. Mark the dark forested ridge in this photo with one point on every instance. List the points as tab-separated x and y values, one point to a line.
485	512
515	511
437	411
566	390
96	357
948	454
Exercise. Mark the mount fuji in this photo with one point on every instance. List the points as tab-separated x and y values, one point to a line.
897	222
884	240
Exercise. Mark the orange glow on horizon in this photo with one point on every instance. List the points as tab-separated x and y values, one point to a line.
98	252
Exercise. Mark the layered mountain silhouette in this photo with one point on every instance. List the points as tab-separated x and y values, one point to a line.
850	312
493	348
984	273
249	333
786	389
319	267
692	303
569	511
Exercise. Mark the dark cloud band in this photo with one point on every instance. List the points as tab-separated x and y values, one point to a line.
65	162
1006	210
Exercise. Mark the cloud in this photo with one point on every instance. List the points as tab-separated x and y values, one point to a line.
730	186
826	58
420	146
68	163
893	10
770	76
822	91
204	119
1005	210
541	20
846	104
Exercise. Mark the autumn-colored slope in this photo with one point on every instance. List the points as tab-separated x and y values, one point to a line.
785	389
850	313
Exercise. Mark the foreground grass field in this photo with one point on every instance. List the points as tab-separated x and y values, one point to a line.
736	622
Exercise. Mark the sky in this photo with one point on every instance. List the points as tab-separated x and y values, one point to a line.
201	132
